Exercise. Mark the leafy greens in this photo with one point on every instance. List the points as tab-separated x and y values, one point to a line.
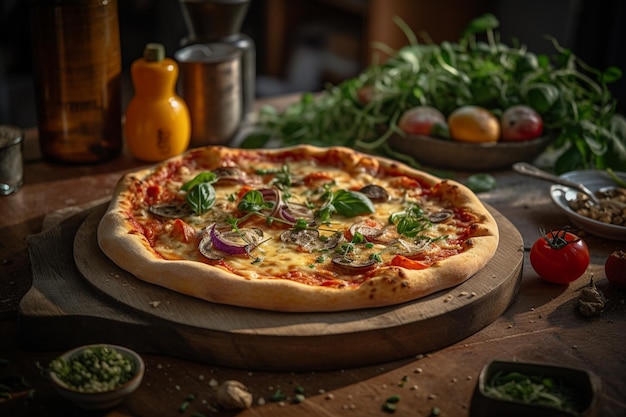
572	98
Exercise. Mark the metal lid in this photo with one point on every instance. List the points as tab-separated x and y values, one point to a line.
207	53
10	135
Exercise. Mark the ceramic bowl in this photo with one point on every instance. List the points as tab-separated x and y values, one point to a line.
106	399
450	154
594	180
585	386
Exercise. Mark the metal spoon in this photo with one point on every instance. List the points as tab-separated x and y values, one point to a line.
532	171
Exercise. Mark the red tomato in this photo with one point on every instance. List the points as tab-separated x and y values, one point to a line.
521	123
404	262
559	257
365	94
182	231
420	120
615	268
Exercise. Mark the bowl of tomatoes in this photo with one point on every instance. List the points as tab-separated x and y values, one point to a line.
470	138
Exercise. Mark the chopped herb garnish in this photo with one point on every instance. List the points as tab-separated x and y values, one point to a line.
390	404
278	396
410	222
282	177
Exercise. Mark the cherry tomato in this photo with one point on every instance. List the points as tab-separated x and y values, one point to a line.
420	120
473	124
521	123
365	94
615	268
559	256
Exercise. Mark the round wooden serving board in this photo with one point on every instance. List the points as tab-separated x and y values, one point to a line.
258	339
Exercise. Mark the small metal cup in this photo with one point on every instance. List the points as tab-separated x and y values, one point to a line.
211	86
11	165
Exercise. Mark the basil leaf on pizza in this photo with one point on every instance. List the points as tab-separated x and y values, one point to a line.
296	229
200	193
351	203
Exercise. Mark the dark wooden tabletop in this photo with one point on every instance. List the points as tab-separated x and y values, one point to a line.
541	325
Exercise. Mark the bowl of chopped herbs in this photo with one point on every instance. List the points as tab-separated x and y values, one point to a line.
531	389
96	377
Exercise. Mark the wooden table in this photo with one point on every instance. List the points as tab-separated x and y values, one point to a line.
542	324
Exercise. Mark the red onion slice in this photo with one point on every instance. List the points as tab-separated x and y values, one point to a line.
291	212
235	242
171	210
272	195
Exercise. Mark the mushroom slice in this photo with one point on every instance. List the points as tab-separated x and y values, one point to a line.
352	267
232	175
440	216
366	229
374	232
307	239
206	249
310	239
171	210
376	193
410	248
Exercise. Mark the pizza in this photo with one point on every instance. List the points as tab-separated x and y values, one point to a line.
298	229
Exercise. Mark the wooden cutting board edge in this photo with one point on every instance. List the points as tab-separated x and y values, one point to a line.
84	314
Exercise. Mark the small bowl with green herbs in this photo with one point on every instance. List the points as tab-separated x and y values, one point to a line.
516	389
96	377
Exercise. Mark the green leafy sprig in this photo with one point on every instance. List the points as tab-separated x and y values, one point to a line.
410	222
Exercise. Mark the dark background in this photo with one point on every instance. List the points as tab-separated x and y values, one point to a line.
594	30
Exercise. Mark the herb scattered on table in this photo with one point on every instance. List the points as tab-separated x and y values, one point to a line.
185	404
14	386
572	98
481	182
391	404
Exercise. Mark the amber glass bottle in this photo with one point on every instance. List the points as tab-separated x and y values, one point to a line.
77	71
157	123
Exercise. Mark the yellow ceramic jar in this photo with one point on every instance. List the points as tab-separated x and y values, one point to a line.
157	124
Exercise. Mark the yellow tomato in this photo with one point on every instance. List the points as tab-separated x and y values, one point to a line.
473	124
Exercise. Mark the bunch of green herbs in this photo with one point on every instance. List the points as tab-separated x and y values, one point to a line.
572	97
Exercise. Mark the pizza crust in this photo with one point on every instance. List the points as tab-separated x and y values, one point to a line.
130	250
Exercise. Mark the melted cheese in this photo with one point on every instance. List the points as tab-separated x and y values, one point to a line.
275	258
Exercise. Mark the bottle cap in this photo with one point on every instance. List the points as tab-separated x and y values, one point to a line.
154	52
